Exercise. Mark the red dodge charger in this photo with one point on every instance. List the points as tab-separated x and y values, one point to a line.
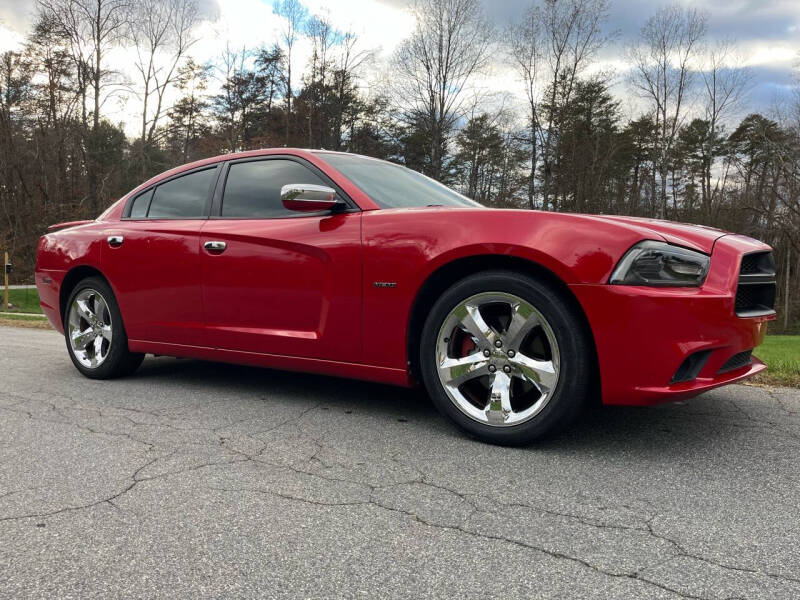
346	265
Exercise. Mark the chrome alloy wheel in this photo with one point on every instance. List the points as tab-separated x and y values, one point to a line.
497	359
89	328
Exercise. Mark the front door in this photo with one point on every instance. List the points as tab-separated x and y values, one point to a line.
276	281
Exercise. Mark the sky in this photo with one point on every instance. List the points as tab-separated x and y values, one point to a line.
766	35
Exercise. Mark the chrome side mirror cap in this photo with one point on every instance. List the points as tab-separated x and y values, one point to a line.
308	197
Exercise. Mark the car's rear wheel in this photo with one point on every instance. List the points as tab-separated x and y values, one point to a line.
94	332
506	357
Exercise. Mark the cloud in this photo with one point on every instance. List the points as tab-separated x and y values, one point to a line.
16	15
767	35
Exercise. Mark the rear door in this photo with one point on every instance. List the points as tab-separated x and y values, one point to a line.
276	281
152	258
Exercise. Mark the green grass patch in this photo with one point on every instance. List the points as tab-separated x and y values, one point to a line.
782	355
22	300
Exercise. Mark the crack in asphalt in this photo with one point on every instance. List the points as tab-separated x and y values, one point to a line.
470	532
109	499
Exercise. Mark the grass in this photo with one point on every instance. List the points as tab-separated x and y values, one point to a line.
782	355
24	300
780	352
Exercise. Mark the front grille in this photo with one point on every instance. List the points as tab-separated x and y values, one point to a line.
755	294
737	361
758	262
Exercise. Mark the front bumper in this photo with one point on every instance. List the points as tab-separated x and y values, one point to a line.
644	334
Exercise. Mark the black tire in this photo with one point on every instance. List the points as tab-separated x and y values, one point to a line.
119	361
575	379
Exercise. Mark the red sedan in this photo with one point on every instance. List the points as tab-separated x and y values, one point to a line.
346	265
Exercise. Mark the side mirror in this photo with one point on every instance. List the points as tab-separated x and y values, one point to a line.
307	197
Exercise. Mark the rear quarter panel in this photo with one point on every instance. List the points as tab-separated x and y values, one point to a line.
59	253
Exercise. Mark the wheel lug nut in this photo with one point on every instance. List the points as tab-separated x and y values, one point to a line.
487	353
511	354
507	369
498	343
492	368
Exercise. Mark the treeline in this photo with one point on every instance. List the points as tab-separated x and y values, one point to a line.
567	145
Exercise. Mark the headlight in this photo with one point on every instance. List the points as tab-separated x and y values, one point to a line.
661	264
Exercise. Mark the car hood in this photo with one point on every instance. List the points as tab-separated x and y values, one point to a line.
697	237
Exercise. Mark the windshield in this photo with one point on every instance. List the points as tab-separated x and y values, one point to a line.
393	186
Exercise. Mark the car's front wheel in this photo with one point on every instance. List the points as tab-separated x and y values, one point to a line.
95	335
506	357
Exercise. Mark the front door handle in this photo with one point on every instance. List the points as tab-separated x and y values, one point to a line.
115	241
216	247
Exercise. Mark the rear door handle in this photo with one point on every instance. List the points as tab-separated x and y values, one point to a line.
215	246
115	241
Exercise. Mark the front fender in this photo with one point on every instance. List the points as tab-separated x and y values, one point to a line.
403	247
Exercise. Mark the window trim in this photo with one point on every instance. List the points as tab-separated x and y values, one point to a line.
222	179
152	189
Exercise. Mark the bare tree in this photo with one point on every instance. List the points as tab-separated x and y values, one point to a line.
294	15
449	45
526	46
92	27
230	69
161	32
663	74
573	34
726	82
323	37
349	62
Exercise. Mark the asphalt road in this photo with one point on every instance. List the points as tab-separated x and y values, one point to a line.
192	479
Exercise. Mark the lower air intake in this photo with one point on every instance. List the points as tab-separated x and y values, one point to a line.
737	361
690	368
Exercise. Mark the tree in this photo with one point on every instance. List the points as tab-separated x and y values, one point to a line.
573	34
480	152
237	87
187	115
489	161
449	45
161	32
57	100
294	16
92	27
348	103
269	63
15	90
527	50
725	86
663	74
586	147
638	153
